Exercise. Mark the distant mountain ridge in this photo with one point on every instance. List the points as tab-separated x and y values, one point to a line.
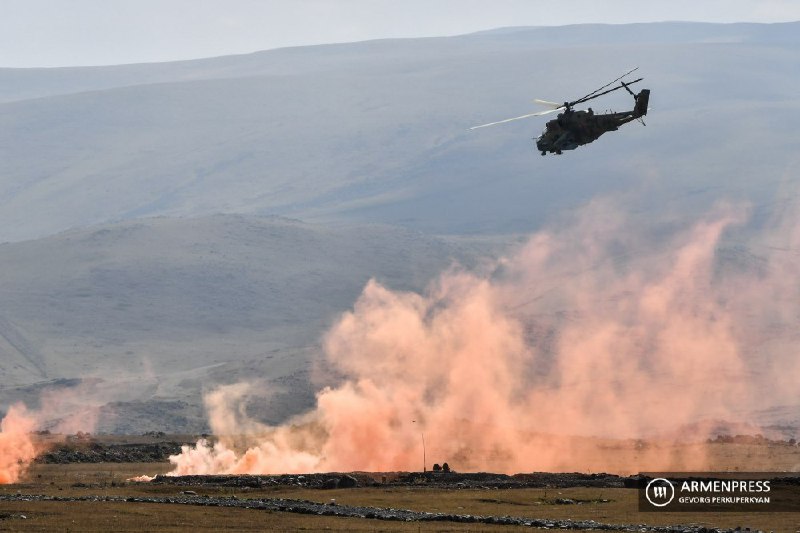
21	84
378	131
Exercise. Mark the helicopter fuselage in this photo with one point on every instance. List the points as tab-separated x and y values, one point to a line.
575	128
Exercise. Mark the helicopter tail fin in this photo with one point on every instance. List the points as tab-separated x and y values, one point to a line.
642	100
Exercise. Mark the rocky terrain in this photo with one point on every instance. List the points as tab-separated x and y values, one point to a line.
481	480
111	453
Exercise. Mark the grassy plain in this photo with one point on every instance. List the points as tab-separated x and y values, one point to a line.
109	479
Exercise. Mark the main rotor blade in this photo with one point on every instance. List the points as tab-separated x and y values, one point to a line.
511	119
592	97
583	99
554	105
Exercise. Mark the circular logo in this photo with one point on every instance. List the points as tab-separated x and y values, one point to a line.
659	492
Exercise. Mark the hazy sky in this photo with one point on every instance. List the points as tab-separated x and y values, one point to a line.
101	32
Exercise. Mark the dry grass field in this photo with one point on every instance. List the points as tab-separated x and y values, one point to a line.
613	506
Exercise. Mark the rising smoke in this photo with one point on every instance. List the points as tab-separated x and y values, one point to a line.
17	448
598	329
61	410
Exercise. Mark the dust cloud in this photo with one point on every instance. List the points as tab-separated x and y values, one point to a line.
601	329
61	411
17	448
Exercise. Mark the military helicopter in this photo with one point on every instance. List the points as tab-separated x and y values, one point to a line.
574	128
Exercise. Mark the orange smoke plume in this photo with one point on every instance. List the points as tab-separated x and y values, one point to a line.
590	331
62	410
17	449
